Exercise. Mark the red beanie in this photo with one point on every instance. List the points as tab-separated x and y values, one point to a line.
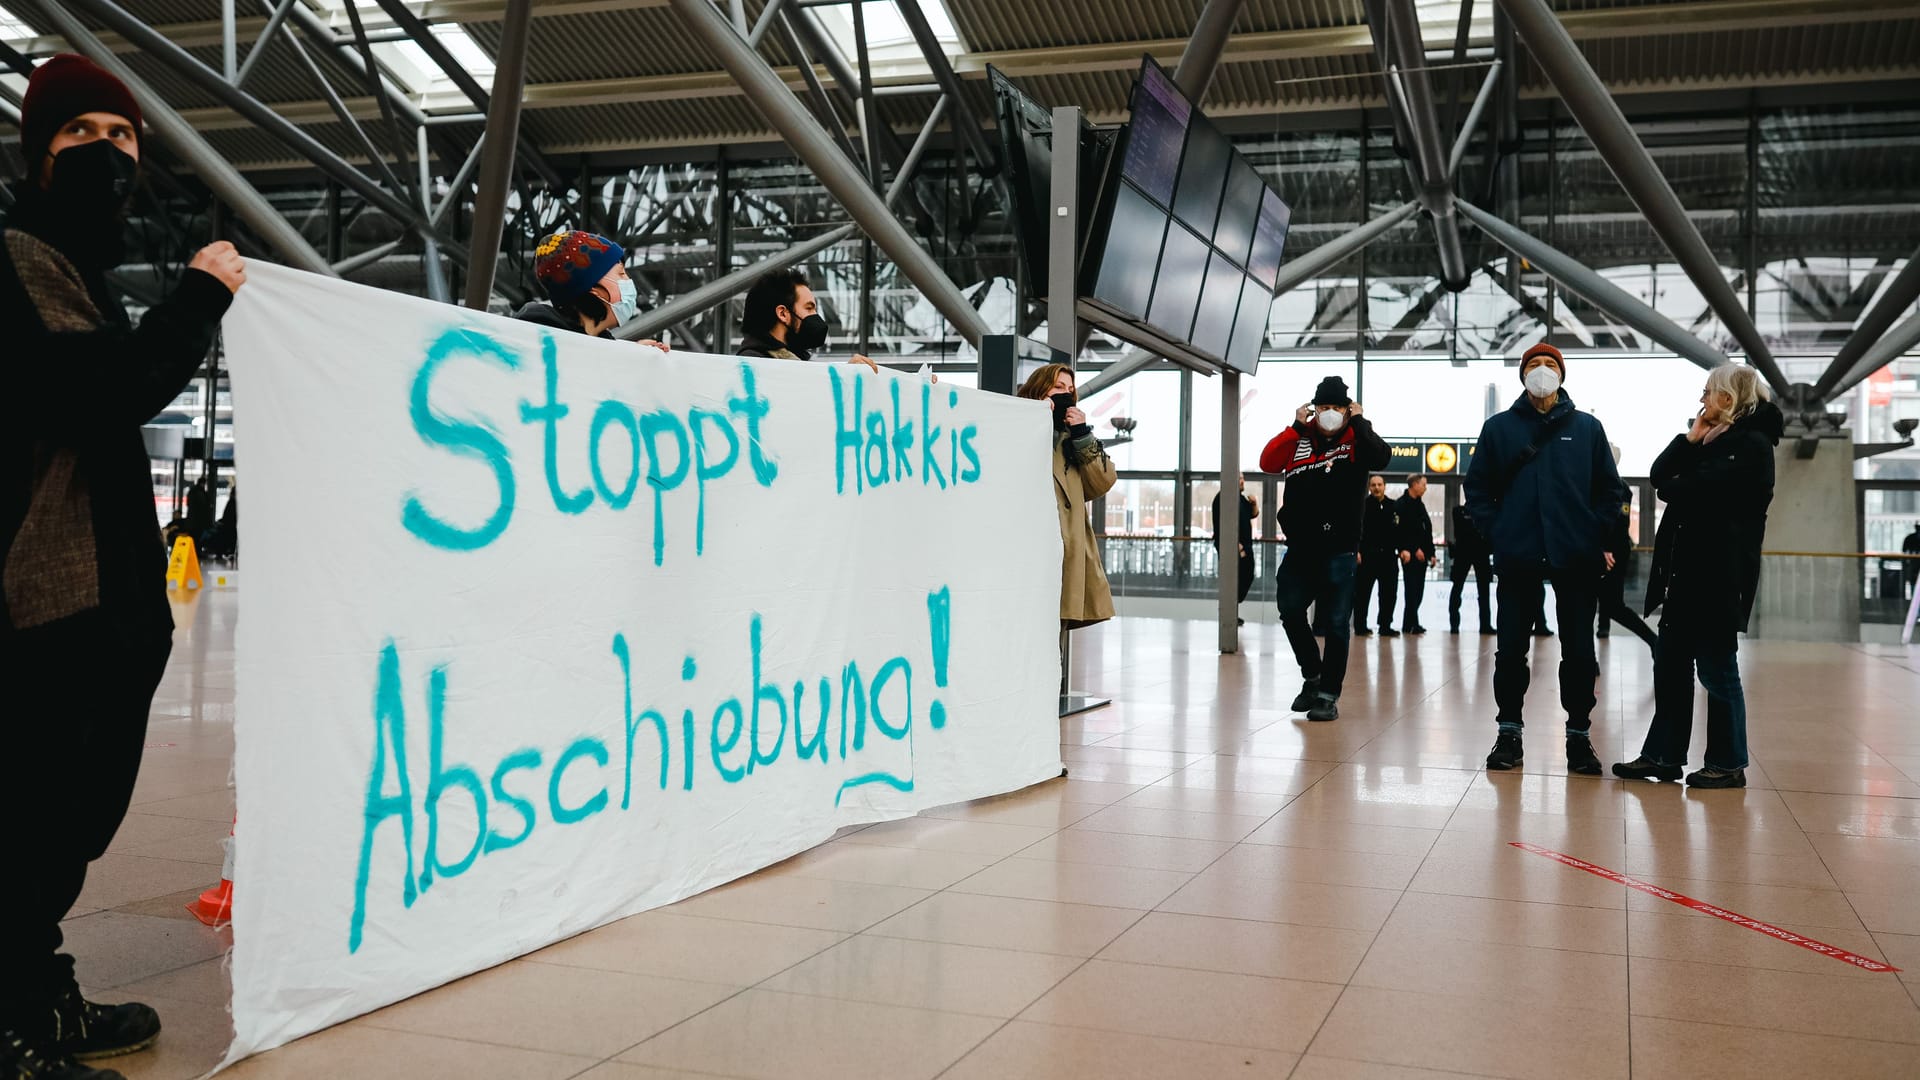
64	87
1548	351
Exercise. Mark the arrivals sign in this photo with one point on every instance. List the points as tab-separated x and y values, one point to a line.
572	628
1434	457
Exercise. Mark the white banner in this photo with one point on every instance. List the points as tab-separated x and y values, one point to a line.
540	630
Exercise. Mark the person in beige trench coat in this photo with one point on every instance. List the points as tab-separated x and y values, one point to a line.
1082	472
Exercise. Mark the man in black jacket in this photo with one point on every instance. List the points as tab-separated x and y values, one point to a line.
1323	459
1911	546
588	289
1378	560
1469	554
1246	539
1415	549
1544	490
85	628
782	320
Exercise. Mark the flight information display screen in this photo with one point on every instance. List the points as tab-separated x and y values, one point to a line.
1269	238
1157	135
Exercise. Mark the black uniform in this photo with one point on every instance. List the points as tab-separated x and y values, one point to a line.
1613	588
1416	540
1246	542
1470	554
1379	563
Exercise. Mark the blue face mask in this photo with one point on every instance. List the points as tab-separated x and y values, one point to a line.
628	305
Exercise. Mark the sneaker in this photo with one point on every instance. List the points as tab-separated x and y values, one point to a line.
1580	756
1305	698
1711	777
1388	631
88	1031
1324	708
1506	754
23	1060
1642	769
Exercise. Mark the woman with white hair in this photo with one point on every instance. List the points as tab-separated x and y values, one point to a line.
1717	481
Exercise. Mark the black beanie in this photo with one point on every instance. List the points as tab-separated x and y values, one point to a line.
1332	391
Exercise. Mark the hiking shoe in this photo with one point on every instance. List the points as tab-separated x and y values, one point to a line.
1711	777
1580	756
1642	769
89	1031
1324	708
1304	700
1506	754
21	1059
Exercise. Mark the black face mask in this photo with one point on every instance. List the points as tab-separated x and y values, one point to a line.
1061	403
809	335
94	179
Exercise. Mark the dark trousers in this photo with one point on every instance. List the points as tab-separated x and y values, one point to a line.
1376	570
1246	576
1680	654
79	695
1482	571
1613	608
1306	577
1522	592
1414	573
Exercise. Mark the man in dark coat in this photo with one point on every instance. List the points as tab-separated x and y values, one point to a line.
1245	531
85	628
1379	560
1470	554
782	321
1416	552
1323	459
1911	546
1544	490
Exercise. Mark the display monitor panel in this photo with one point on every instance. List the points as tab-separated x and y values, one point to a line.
1213	324
1156	134
1269	238
1234	235
1131	253
1249	327
1176	289
1203	177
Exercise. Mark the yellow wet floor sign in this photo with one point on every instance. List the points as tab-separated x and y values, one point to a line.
183	570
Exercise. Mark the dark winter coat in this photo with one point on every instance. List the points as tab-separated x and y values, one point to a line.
1246	523
1326	481
765	348
541	313
78	533
1556	510
1706	555
1379	526
1416	525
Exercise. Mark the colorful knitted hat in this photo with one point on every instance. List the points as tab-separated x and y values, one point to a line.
64	87
568	264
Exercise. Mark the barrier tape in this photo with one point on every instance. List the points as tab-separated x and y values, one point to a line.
1788	936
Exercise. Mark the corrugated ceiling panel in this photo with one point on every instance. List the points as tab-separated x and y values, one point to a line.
615	44
991	25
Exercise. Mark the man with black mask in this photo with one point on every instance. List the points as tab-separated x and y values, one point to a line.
85	628
783	321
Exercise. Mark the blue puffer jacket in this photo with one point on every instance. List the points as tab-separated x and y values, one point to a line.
1554	512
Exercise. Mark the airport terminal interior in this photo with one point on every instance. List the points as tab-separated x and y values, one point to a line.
1211	210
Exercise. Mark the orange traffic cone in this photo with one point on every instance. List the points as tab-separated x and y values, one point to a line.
215	906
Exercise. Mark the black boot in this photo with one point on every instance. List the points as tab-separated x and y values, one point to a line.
1581	759
1642	769
88	1031
25	1059
1304	700
1507	753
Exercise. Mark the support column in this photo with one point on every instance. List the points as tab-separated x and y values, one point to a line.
1226	524
1063	241
496	157
1202	56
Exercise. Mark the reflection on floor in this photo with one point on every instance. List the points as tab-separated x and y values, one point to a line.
1221	889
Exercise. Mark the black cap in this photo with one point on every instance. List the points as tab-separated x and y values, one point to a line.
1332	391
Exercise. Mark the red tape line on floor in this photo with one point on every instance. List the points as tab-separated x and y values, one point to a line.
1705	908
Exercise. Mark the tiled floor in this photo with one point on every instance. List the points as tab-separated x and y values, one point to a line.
1219	890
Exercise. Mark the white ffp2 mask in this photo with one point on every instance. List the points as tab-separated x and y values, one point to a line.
1542	381
1329	420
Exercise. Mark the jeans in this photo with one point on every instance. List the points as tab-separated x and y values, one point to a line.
1679	656
1304	577
1482	571
82	689
1414	572
1381	570
1522	592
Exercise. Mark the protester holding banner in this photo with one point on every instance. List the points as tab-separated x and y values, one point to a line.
1323	459
588	290
1544	490
86	628
783	321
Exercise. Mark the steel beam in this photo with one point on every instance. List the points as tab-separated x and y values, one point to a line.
496	161
942	68
344	114
1872	327
430	248
764	23
834	171
719	291
1600	117
1404	64
1201	57
1891	346
260	44
1465	138
221	178
1063	239
1596	290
